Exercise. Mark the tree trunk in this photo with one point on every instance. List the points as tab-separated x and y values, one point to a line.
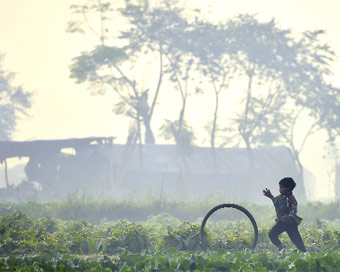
250	157
140	145
6	174
181	116
149	137
213	132
300	167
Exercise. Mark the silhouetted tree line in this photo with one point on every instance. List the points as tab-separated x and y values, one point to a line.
285	75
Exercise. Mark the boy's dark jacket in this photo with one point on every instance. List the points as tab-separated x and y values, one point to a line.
286	205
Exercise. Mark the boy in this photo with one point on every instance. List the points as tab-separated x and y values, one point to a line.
287	219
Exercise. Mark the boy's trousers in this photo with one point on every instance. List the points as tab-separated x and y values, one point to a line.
291	228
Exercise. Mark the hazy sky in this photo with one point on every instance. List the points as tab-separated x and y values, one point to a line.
39	50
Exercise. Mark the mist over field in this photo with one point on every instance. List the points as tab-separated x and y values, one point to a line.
257	90
126	125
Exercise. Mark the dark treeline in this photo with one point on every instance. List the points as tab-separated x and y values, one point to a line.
280	76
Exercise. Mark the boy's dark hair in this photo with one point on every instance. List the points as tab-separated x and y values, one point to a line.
288	183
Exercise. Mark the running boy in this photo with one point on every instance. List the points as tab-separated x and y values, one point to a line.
287	219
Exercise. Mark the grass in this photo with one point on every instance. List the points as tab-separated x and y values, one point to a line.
94	211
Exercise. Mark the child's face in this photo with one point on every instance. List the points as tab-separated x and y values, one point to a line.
283	190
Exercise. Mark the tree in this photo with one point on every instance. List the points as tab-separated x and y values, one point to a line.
14	102
311	93
285	77
260	52
150	32
163	30
184	137
211	44
110	65
181	69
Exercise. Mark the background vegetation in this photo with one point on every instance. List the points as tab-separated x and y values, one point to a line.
90	210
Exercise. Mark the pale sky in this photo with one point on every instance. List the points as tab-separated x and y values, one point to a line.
39	50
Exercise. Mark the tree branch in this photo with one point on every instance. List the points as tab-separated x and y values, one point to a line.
88	24
159	79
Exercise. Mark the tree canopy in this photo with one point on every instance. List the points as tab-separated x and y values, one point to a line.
278	74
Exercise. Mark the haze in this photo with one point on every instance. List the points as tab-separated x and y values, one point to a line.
39	50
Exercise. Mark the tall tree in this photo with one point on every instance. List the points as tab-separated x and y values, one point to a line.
111	65
286	77
14	102
211	44
262	50
181	70
307	81
163	29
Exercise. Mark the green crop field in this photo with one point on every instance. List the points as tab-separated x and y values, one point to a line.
161	242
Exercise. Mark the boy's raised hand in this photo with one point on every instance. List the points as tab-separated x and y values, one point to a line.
267	193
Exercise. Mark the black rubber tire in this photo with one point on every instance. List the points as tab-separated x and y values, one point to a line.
235	206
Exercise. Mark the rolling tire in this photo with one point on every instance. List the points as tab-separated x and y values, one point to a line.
235	206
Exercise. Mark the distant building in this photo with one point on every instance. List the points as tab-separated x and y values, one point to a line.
98	167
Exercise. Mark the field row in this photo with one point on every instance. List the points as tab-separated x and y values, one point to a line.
22	234
173	260
161	243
